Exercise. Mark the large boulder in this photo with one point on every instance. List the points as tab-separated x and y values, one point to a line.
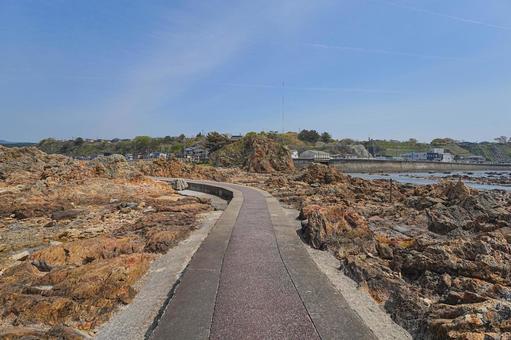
29	165
82	296
320	174
324	226
255	153
176	169
114	166
359	150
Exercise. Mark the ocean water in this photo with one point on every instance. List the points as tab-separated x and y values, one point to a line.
424	178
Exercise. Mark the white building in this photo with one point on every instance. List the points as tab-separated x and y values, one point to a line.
415	156
316	155
447	157
158	155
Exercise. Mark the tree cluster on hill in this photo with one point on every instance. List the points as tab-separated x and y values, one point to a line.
312	136
503	140
215	141
138	145
498	151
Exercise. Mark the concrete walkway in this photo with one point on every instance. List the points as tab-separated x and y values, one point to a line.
252	278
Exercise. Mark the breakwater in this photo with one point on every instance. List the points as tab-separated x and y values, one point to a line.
373	165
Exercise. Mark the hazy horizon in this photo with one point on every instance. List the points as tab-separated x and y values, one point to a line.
358	68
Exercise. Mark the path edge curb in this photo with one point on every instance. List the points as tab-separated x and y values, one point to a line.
199	282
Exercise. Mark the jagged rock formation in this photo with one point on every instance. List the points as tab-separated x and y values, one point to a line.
436	257
255	153
75	236
177	169
317	173
359	150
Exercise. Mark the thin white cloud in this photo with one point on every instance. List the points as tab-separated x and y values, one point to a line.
313	88
447	16
381	51
185	46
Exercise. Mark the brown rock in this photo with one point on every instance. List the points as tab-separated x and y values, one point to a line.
385	251
161	241
66	214
320	174
20	256
326	225
256	153
86	251
84	296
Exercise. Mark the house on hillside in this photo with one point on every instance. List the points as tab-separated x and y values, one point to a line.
196	153
161	155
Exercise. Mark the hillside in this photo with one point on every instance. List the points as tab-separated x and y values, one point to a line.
494	152
138	145
394	148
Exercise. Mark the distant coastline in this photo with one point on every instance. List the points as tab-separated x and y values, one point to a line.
16	144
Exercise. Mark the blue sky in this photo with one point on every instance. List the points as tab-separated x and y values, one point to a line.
356	68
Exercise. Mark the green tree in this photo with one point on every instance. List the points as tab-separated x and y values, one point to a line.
142	143
501	139
311	136
79	141
176	148
216	141
325	137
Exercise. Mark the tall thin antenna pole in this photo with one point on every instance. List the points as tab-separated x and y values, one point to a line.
282	107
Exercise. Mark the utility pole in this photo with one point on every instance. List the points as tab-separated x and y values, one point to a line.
282	107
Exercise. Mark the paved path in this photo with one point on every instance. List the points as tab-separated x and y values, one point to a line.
253	279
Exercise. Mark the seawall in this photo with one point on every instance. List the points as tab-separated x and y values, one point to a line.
371	165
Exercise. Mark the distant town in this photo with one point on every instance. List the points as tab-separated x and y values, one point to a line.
304	145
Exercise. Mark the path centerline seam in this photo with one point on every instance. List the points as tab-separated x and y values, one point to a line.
287	270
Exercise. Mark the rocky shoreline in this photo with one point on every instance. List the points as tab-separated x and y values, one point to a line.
435	257
490	178
76	237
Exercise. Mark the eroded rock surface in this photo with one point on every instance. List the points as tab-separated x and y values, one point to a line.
255	153
176	169
75	237
436	257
